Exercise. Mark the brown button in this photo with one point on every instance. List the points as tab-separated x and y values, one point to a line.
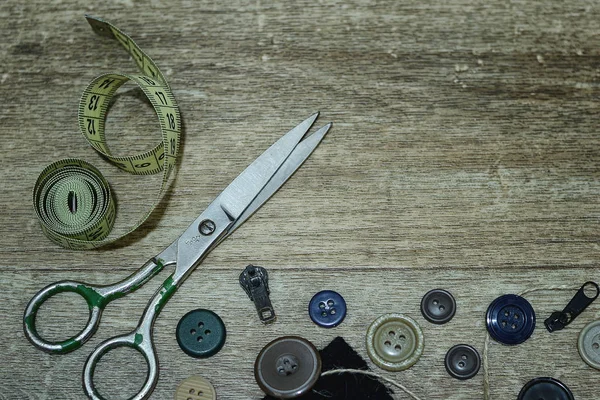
288	367
195	388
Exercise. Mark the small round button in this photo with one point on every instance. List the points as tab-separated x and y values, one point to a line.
287	367
462	361
438	306
588	344
201	333
510	319
545	389
394	342
327	309
195	388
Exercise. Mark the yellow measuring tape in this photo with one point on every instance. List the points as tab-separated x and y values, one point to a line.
71	198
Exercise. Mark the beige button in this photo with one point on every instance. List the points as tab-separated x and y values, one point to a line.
195	388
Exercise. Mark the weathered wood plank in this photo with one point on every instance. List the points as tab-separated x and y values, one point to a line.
464	154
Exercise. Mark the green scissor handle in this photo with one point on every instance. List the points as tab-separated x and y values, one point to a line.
97	297
140	339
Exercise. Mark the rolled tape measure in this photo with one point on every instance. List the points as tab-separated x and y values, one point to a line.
71	198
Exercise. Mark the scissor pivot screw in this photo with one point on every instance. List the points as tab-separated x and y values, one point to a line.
207	227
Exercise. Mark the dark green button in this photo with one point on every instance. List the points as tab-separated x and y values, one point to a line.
201	333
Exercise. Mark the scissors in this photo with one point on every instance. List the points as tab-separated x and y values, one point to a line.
250	190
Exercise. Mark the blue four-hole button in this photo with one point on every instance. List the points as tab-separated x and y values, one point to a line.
510	319
327	309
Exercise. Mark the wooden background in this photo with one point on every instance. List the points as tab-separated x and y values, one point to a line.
464	155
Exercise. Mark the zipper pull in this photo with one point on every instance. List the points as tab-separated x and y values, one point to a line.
560	319
255	281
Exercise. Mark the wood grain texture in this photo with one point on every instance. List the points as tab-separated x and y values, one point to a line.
464	155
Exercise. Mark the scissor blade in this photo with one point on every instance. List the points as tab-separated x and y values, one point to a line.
302	151
243	190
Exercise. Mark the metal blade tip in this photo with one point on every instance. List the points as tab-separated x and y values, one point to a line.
322	131
311	120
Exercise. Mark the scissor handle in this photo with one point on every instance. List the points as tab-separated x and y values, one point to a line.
96	303
97	297
140	340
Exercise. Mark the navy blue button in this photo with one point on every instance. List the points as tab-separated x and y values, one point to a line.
510	319
545	388
327	309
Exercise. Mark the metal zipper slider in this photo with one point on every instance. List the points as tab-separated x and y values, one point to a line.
255	281
560	319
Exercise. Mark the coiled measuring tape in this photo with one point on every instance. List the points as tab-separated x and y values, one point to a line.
71	198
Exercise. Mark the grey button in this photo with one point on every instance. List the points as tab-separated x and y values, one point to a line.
438	306
588	344
462	361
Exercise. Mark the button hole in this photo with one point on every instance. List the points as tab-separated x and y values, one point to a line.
193	332
207	332
199	338
387	343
